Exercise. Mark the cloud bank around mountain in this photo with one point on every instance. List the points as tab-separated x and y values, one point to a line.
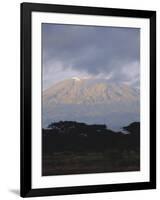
91	51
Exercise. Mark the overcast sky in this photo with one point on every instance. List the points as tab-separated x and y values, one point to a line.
112	53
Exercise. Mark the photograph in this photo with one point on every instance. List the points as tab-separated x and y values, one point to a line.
90	99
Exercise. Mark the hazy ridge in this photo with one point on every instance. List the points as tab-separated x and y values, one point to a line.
91	101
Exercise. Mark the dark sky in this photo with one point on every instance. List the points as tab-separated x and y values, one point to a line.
112	53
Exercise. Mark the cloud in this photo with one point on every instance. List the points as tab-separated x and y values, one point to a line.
111	52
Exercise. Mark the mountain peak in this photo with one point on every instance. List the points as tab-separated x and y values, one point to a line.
89	91
92	101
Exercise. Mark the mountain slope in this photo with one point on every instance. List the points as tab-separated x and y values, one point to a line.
89	91
91	101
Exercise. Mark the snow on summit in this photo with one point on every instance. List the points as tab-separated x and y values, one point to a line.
76	78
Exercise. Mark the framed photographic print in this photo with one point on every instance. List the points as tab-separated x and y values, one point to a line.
88	99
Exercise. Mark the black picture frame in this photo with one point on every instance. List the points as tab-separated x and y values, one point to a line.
26	88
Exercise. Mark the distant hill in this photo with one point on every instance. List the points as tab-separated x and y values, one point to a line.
91	101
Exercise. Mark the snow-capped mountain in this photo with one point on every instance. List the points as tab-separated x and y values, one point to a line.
92	101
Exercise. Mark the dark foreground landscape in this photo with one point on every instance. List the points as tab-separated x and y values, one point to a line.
75	148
